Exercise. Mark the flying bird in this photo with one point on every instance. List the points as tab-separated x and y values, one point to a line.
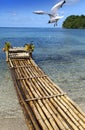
54	17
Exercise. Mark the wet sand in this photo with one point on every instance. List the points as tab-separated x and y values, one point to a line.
13	124
11	113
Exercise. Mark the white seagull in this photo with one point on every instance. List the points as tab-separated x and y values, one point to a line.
54	17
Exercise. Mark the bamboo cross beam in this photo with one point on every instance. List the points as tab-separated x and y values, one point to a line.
24	66
18	57
46	97
23	78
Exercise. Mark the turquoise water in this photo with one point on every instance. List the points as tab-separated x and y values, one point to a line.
59	52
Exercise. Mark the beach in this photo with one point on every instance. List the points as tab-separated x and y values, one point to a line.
11	113
13	124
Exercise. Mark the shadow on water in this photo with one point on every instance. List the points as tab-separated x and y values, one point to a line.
78	53
57	58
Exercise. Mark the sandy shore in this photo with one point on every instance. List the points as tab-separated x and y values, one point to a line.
11	114
13	124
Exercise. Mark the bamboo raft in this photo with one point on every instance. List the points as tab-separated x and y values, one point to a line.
45	105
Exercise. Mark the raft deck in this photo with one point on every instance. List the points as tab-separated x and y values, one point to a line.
45	105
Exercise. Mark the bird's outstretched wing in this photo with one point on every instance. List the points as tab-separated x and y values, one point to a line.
57	6
43	12
39	12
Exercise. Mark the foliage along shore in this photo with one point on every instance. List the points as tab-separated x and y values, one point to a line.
74	22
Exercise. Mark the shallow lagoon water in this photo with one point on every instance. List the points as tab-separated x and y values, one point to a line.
59	52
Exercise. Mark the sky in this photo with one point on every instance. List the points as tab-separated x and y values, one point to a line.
19	13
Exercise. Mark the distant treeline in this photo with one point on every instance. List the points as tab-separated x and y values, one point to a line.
74	21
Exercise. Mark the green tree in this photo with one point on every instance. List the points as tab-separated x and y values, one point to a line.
74	21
